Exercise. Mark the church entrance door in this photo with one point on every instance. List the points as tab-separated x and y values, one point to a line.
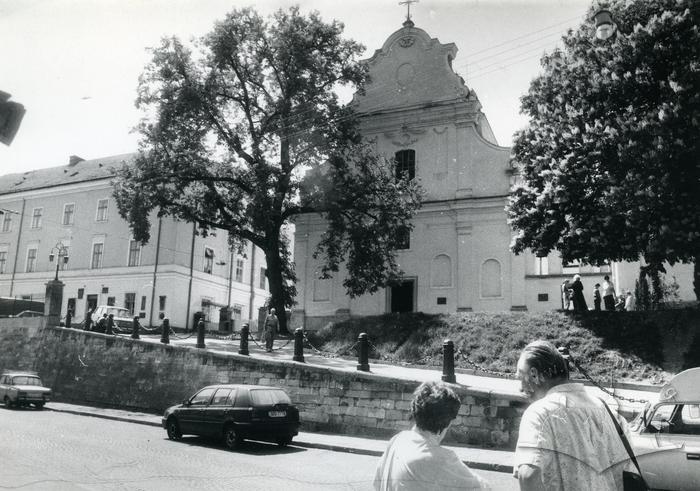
402	295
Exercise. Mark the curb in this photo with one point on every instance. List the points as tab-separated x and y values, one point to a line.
485	466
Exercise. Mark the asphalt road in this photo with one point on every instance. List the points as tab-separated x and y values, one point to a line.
44	450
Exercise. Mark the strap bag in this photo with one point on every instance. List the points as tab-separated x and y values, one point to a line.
631	481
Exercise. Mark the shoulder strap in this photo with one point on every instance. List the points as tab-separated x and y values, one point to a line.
625	442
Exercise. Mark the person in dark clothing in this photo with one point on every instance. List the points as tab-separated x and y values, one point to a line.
101	325
577	289
271	327
69	317
110	324
87	323
136	328
596	297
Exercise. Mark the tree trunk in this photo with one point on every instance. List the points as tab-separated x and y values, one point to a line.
276	281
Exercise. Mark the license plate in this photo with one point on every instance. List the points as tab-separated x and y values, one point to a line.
277	414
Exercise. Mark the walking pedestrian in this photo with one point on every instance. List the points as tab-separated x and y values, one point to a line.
577	295
415	459
608	294
567	439
271	327
135	328
596	297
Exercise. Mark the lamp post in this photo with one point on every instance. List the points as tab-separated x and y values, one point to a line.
57	252
604	24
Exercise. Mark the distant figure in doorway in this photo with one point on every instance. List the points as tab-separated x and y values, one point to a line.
415	459
629	302
270	330
577	295
596	297
69	317
135	328
87	323
608	294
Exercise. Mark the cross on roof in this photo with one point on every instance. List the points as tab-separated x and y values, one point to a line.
408	3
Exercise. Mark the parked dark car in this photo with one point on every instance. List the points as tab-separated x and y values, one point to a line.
22	388
235	413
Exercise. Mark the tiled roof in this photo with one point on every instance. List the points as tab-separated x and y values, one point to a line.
86	170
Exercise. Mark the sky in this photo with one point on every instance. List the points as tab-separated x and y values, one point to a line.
74	64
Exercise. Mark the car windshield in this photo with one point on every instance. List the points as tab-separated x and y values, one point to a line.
267	397
118	312
26	380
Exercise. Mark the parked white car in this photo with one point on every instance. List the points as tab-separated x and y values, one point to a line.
666	435
122	317
21	388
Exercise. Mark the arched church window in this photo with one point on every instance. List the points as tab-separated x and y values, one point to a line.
441	271
491	278
405	161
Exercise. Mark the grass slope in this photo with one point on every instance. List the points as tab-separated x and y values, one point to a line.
627	346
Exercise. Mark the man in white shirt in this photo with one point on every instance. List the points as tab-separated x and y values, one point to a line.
567	440
608	294
415	460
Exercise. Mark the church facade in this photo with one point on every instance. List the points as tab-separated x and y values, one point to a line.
424	118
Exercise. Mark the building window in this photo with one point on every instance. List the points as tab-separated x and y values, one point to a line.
541	266
239	270
36	217
208	260
3	261
143	302
134	253
491	278
263	277
68	213
111	301
442	300
405	161
543	297
403	238
102	210
97	253
31	260
130	302
161	302
6	222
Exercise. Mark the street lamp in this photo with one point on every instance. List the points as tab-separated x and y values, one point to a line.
604	25
62	252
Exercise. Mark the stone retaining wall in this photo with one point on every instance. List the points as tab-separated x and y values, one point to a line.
93	368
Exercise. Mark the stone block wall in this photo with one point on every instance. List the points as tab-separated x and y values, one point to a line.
93	368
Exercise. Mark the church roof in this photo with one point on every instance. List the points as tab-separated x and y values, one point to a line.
73	173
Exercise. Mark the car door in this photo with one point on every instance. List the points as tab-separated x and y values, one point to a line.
191	415
668	450
219	409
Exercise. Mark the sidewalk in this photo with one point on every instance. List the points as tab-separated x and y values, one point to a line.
476	458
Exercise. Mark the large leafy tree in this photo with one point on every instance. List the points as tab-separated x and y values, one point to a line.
245	130
609	164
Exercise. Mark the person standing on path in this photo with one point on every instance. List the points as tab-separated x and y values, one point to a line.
596	297
87	323
136	327
271	327
110	324
69	317
577	295
567	439
415	459
608	294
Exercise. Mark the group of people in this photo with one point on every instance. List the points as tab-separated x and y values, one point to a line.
104	324
567	439
603	296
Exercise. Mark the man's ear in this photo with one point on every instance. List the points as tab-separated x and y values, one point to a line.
535	375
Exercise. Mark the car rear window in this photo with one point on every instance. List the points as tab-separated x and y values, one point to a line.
268	397
23	380
118	312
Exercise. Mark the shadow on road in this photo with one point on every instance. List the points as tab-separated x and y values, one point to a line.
248	447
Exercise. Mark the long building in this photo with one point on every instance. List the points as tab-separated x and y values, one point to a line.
68	211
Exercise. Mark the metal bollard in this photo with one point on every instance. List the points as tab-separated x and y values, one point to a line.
363	354
243	349
200	334
448	362
165	331
298	345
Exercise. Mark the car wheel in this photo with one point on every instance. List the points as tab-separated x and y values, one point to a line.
283	441
8	402
231	437
173	429
39	405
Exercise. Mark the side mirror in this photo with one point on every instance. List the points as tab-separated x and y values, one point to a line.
185	402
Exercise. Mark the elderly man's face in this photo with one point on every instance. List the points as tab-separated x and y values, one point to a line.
531	381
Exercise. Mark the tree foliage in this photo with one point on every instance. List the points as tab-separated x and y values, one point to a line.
232	126
610	161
